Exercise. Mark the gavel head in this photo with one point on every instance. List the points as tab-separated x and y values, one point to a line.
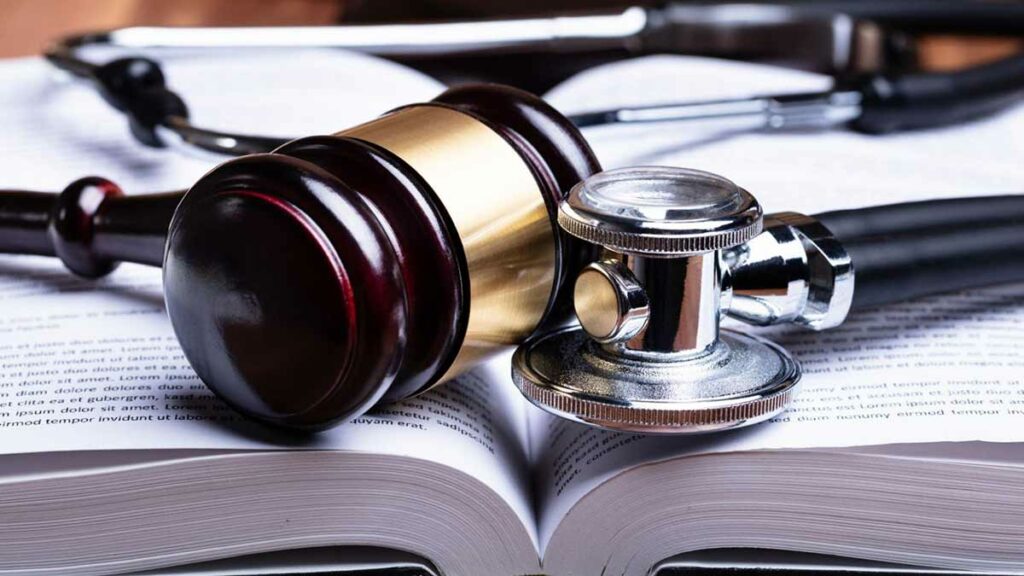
308	284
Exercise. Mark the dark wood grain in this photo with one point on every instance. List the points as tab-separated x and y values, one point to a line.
435	279
285	292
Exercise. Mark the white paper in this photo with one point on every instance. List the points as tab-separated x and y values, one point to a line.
54	130
88	365
947	369
810	171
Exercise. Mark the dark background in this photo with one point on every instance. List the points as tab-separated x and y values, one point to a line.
27	26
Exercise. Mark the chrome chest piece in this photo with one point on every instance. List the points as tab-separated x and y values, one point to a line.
682	248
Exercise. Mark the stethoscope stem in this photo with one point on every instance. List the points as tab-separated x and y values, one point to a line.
787	112
178	133
811	111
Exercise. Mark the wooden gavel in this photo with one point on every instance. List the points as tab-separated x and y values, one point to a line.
308	284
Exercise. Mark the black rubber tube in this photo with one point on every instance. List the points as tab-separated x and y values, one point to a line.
907	251
924	100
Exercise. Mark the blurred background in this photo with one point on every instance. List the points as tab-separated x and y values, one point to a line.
27	26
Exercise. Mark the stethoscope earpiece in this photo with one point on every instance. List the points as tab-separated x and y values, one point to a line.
648	354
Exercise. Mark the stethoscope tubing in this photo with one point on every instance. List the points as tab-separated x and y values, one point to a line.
916	249
876	103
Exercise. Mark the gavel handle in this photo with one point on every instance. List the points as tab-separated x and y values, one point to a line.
90	226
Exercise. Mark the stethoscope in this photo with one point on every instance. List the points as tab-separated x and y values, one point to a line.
311	283
853	41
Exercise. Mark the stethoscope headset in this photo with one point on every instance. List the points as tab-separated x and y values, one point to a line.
311	279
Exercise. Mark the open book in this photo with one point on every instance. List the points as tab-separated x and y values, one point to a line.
906	444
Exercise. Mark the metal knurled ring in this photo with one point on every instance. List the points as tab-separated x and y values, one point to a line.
657	244
603	413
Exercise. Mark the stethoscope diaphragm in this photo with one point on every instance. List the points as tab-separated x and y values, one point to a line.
742	380
648	354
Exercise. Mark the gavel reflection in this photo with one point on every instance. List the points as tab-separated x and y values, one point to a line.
306	285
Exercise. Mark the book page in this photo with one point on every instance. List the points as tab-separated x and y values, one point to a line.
942	369
810	171
94	365
55	130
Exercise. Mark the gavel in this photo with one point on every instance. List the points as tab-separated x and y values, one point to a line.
309	284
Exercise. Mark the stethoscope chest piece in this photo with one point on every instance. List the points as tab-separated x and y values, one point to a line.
743	380
648	354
